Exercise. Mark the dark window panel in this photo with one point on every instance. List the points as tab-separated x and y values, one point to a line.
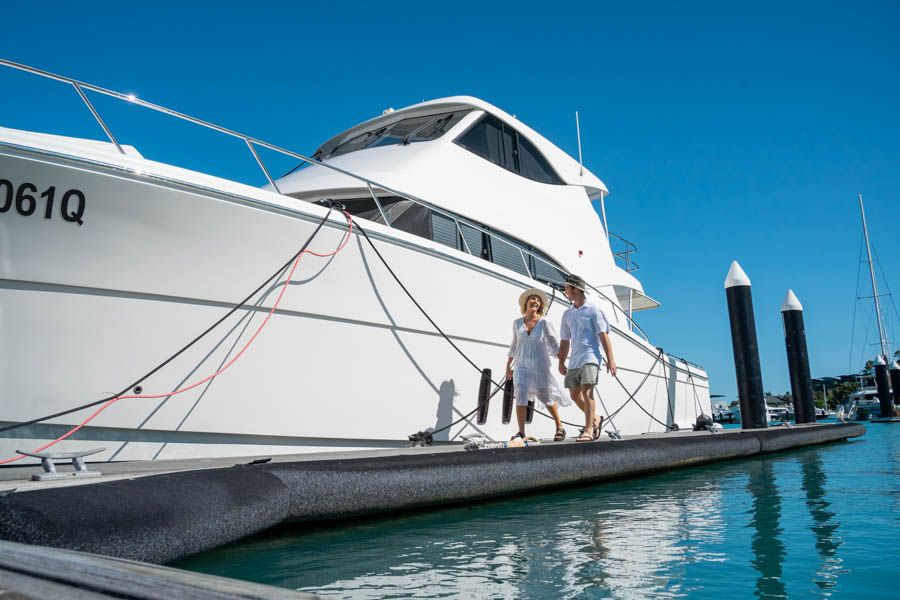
444	230
533	165
475	241
426	128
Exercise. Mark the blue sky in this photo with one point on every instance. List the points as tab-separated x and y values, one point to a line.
738	130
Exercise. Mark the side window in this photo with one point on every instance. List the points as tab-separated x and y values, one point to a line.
444	230
509	153
406	131
533	165
484	139
490	245
507	254
475	241
499	143
545	270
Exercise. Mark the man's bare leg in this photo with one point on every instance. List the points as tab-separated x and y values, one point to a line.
575	394
590	408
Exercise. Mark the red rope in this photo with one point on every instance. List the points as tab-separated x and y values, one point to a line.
240	353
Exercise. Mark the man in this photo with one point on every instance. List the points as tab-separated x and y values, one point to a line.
584	328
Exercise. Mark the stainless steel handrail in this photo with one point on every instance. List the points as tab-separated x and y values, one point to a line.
625	254
251	142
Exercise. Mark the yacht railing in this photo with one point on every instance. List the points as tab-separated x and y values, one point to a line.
254	143
622	251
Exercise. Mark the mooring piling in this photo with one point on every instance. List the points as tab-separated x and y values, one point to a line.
746	349
884	388
798	359
895	382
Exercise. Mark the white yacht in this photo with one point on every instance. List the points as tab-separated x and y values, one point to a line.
110	263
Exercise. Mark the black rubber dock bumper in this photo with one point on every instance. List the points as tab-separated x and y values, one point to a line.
161	518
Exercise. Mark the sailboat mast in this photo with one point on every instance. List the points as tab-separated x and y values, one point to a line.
878	317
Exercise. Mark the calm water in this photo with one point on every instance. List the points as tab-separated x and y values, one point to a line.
815	523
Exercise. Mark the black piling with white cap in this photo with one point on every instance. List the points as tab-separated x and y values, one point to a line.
895	382
884	388
798	359
746	349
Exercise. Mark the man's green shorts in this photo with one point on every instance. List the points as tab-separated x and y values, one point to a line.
583	375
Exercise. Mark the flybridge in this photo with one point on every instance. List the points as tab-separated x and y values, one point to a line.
518	256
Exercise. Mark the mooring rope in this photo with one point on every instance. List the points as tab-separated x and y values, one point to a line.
631	395
107	402
471	362
437	327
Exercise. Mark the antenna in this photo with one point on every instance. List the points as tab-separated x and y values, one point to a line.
578	134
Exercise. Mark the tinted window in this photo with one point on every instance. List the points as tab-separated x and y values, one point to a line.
507	255
485	139
411	130
548	273
475	241
499	143
508	158
533	165
490	245
401	213
444	229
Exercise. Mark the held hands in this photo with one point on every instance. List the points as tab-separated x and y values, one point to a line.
562	367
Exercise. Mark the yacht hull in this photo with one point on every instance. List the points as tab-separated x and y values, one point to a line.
346	362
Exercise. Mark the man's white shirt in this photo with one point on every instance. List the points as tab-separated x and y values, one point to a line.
583	327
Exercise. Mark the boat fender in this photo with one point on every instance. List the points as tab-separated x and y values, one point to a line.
508	393
484	397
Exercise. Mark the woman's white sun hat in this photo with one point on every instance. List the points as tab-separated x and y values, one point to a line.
545	301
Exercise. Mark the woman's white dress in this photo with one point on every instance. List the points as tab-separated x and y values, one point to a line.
533	356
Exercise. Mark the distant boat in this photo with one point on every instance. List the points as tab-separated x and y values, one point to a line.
822	413
778	410
723	415
864	404
864	401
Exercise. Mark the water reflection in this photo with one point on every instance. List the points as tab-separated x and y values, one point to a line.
768	549
825	527
626	539
768	527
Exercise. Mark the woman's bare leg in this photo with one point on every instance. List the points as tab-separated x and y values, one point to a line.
520	417
553	409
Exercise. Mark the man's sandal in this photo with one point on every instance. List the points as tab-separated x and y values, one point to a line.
584	436
560	435
598	428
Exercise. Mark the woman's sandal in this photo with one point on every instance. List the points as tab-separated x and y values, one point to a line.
560	435
584	436
598	428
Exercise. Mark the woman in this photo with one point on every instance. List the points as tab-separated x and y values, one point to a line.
534	344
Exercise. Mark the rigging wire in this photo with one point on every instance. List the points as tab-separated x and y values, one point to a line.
855	305
889	294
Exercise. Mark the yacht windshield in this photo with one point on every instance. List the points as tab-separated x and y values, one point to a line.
406	131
